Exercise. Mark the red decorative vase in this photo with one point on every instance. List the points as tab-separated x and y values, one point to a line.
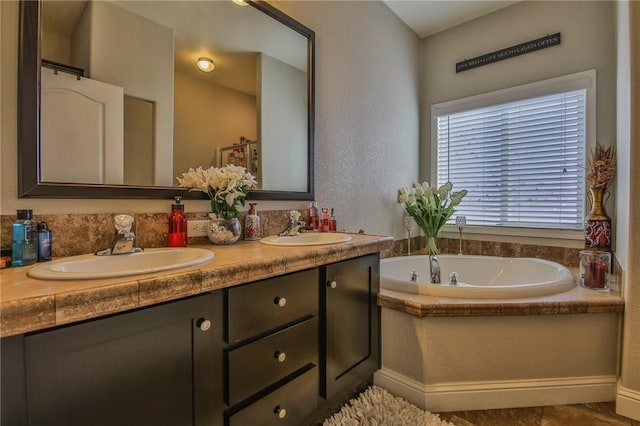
597	225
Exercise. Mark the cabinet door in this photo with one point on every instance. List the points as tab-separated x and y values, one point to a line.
155	366
351	323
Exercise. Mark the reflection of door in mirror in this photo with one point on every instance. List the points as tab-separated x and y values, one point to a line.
67	100
99	41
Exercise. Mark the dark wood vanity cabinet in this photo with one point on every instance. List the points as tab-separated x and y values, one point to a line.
351	324
286	350
271	361
154	366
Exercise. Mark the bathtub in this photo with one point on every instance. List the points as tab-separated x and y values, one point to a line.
479	277
442	354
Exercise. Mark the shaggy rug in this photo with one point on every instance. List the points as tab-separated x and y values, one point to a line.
377	407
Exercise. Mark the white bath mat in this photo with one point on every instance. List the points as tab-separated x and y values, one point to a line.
377	407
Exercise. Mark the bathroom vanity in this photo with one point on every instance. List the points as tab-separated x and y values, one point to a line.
259	335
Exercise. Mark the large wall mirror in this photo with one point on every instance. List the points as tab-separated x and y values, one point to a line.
112	103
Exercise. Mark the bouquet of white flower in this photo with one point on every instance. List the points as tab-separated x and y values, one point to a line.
227	187
430	207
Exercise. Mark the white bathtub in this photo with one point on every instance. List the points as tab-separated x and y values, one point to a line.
479	277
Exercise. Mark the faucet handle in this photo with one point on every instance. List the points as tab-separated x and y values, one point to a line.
123	223
294	215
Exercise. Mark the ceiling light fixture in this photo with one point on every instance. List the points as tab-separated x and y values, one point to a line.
240	2
205	64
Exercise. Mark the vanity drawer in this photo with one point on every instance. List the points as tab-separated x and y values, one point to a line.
265	305
287	405
255	366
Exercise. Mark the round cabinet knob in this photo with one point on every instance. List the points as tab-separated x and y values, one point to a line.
280	356
280	301
204	324
280	412
332	284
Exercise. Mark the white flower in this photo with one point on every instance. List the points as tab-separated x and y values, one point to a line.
230	183
418	190
428	192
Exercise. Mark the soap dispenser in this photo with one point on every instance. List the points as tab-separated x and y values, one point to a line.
252	224
177	235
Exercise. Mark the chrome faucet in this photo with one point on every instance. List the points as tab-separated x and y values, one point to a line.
293	228
123	242
434	269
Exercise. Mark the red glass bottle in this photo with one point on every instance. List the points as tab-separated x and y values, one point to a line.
177	235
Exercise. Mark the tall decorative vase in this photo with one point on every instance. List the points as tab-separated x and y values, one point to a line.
597	225
223	231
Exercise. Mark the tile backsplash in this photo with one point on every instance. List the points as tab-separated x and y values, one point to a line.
74	234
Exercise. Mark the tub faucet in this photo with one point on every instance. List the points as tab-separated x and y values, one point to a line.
293	228
434	269
124	238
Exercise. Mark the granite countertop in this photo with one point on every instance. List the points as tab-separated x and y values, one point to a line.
28	304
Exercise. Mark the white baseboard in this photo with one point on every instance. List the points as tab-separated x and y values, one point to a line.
484	395
628	403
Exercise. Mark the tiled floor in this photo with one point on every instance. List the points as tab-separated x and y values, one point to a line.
596	414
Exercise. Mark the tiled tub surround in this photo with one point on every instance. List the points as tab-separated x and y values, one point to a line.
451	354
27	304
567	256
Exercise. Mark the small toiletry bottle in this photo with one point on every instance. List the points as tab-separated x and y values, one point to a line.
333	226
324	221
25	239
252	224
44	242
177	235
313	215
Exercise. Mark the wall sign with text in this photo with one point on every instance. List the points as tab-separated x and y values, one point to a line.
509	52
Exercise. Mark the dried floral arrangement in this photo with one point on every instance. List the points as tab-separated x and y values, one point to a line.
601	167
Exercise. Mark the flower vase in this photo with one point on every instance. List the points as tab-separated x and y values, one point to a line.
223	231
597	225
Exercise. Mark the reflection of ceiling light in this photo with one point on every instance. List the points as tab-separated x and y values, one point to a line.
205	65
240	2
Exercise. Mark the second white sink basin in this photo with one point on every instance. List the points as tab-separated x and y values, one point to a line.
90	266
307	239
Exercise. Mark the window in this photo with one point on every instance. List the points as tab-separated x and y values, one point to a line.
519	152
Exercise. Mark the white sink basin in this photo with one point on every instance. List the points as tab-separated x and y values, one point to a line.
90	266
307	239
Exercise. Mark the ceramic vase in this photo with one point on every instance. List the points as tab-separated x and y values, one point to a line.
597	225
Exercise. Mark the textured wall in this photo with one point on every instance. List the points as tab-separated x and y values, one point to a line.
367	88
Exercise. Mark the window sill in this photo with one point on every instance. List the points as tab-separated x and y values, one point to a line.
547	237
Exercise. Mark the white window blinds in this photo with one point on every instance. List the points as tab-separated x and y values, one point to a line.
521	161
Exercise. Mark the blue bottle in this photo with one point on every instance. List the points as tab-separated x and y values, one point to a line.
25	239
44	242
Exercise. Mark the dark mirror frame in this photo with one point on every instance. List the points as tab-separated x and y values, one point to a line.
29	184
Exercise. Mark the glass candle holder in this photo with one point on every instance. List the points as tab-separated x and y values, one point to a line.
594	269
